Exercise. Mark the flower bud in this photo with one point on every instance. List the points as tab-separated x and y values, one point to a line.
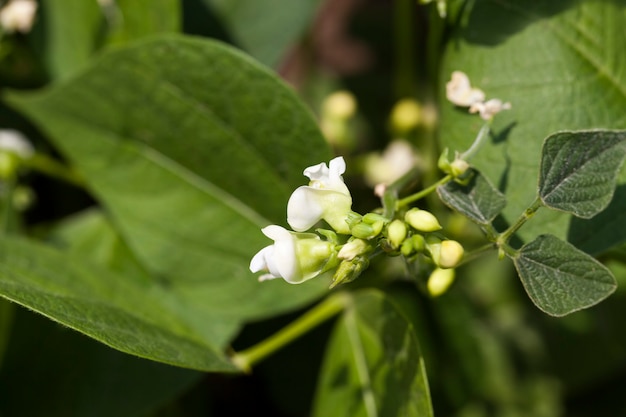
439	281
451	254
406	115
396	232
419	243
407	248
349	270
352	249
422	220
339	105
458	167
365	231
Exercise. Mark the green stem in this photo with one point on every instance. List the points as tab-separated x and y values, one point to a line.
476	253
53	168
390	198
328	308
423	193
504	237
478	142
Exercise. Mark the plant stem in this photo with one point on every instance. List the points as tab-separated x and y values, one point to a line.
476	253
478	142
423	193
53	168
390	198
331	306
504	237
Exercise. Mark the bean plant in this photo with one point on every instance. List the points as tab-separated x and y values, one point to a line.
221	208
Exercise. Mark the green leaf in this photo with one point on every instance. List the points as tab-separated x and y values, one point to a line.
373	364
265	28
85	378
478	200
70	35
132	19
561	279
120	312
603	231
507	49
189	164
579	170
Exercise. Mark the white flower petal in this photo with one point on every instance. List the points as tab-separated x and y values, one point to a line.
282	262
14	141
303	209
460	92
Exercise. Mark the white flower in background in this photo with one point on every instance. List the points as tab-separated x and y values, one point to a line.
326	197
14	142
395	161
460	92
18	16
489	108
295	257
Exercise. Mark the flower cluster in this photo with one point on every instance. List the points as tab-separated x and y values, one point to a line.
297	256
460	92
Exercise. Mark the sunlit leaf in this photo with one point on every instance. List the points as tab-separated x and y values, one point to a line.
579	170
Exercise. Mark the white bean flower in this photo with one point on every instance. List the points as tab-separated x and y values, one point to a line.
295	257
460	92
489	108
18	16
326	197
16	143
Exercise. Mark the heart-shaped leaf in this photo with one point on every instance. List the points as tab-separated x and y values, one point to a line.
579	170
373	365
477	200
561	279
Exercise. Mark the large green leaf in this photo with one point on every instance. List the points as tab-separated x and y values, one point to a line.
74	376
119	312
560	64
373	364
265	28
190	163
74	30
129	20
579	170
561	279
69	35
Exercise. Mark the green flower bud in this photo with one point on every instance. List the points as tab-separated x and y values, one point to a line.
439	281
349	270
407	247
458	167
406	115
418	242
396	232
422	220
362	231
